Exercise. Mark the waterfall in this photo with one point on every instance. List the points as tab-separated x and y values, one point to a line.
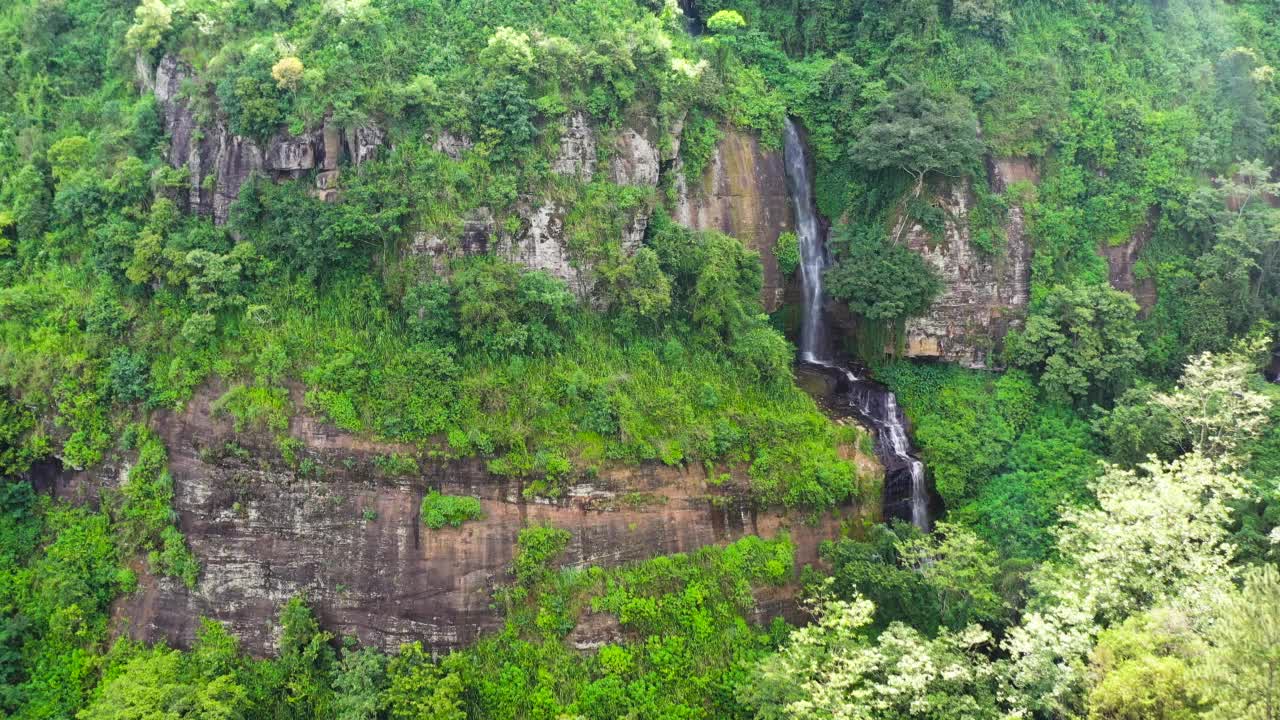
812	248
905	494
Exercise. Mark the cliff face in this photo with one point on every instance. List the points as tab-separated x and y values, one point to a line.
221	162
349	538
538	240
983	296
1121	260
743	193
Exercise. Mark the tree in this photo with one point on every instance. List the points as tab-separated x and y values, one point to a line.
918	134
879	279
155	686
1242	665
1213	409
359	681
287	72
1157	535
1082	339
1143	669
419	689
152	19
961	569
830	670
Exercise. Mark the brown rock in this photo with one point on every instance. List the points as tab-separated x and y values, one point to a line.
1122	258
743	193
350	540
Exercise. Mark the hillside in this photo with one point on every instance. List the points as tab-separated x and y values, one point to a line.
639	358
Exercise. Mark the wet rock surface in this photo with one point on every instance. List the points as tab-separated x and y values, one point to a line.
743	193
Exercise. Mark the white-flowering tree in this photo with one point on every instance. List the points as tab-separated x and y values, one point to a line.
1157	535
1213	409
832	670
1242	666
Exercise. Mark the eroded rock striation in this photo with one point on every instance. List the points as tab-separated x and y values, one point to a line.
984	295
348	536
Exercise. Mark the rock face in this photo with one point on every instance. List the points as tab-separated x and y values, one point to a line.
537	241
983	297
635	155
577	157
349	538
221	162
1122	258
743	193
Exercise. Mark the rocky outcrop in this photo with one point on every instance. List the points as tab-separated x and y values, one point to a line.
348	536
1122	258
743	193
577	155
537	240
983	296
220	162
635	154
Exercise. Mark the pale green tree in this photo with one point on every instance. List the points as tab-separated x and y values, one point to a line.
1213	409
1241	669
1156	536
831	670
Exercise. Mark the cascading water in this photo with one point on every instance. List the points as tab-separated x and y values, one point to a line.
905	494
812	248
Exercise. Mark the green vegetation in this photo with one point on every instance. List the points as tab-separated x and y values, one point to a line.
1110	543
440	510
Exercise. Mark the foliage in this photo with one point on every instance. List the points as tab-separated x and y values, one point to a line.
440	510
787	251
829	669
879	279
918	134
1081	340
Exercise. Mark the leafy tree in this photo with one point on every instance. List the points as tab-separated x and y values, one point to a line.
879	279
918	134
1242	665
1144	669
359	682
1082	339
961	569
251	98
153	18
829	669
156	686
420	689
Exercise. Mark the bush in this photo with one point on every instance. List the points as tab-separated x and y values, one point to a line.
440	510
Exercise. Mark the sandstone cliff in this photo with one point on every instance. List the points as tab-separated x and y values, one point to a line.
743	193
347	535
983	296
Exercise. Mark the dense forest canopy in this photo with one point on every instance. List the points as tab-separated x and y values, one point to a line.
1111	479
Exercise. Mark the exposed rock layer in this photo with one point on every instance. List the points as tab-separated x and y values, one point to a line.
349	538
220	162
983	296
743	193
1121	260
